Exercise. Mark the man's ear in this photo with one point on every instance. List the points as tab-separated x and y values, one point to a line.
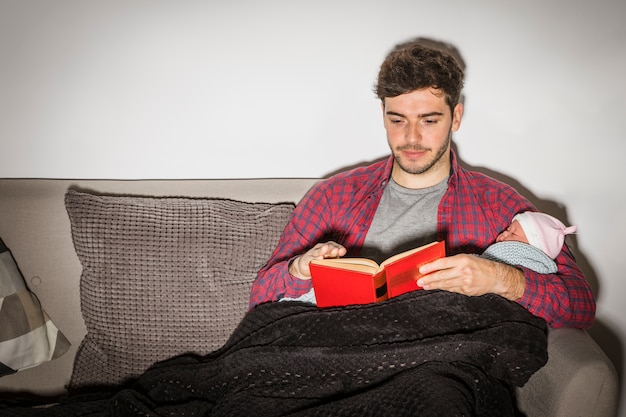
382	107
457	115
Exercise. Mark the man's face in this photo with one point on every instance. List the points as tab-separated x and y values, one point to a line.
419	126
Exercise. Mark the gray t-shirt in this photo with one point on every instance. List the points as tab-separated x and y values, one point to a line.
404	219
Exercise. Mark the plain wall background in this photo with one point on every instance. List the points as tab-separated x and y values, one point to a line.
205	89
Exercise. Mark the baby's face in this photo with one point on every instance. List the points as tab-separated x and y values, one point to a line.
513	232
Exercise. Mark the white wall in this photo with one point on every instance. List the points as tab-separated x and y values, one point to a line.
202	89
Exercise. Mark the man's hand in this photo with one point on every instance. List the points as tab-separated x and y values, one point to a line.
472	275
299	268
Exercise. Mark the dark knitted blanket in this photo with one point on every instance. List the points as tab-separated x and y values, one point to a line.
421	354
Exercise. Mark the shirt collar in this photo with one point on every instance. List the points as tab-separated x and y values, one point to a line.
454	169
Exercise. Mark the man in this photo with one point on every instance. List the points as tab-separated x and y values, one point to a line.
420	194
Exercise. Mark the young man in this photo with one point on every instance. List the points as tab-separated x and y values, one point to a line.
418	195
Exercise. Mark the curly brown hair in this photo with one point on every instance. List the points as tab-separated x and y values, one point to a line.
413	66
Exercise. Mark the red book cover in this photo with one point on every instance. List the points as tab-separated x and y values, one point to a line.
403	272
346	281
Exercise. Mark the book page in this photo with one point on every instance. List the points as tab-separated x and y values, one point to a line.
405	254
354	264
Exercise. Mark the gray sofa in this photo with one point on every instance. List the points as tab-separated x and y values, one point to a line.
69	259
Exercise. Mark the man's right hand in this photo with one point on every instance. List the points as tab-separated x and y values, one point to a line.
299	268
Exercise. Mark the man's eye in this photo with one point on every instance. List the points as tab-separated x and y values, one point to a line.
430	121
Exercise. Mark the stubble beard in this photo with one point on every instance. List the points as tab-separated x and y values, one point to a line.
420	169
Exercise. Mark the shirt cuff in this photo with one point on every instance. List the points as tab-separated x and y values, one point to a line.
534	289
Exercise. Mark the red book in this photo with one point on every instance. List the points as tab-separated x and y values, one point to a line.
345	281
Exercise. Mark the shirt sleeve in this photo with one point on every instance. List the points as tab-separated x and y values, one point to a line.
563	299
306	226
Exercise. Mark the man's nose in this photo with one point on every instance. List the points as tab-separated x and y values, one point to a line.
414	134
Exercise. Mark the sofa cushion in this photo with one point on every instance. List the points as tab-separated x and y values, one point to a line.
28	337
163	276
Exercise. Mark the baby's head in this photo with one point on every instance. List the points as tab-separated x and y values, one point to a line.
539	230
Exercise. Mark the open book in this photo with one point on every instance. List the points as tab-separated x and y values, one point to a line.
345	281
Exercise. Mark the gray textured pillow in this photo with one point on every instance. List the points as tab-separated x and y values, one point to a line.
163	276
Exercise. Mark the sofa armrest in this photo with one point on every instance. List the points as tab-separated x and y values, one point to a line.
578	380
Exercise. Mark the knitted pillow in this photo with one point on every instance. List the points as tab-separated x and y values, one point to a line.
27	335
163	276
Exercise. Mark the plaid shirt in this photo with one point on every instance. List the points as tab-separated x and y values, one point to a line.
474	209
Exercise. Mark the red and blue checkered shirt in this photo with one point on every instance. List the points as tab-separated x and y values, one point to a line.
474	209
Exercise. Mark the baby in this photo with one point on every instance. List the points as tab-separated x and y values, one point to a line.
532	240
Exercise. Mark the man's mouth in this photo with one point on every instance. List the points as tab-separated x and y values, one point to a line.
414	153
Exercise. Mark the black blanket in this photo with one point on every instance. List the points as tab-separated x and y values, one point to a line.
421	354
